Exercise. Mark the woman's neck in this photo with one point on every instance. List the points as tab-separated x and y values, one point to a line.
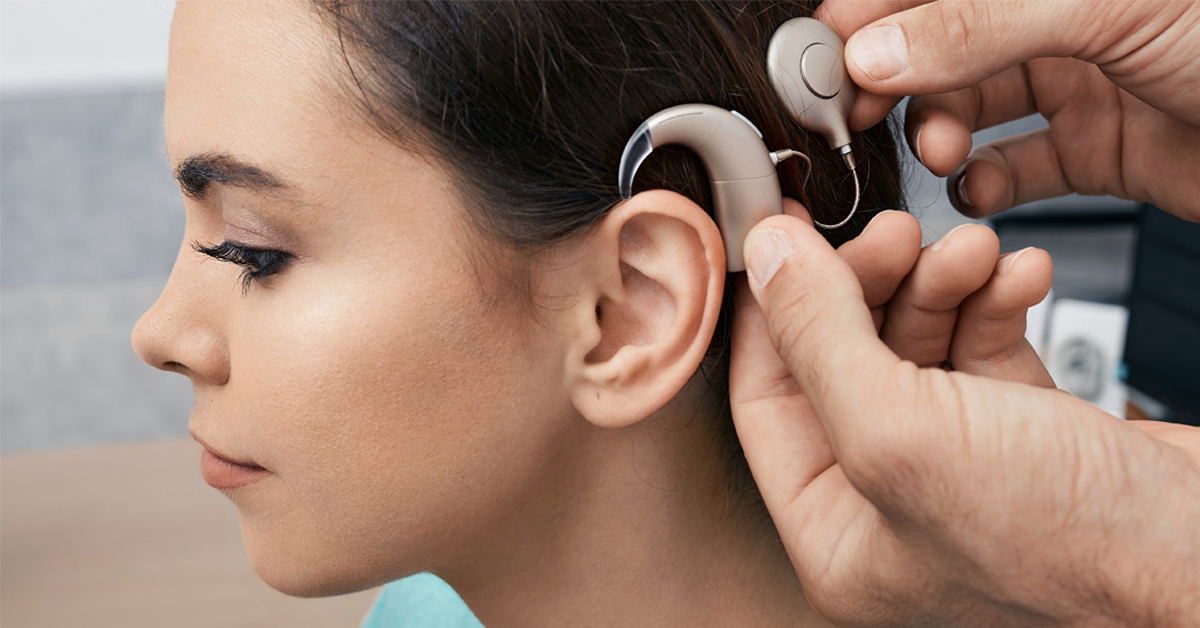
638	529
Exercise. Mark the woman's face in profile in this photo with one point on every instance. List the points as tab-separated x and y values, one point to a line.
394	403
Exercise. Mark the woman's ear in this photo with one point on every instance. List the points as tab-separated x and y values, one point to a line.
651	290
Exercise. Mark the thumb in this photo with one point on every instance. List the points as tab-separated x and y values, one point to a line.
951	44
820	325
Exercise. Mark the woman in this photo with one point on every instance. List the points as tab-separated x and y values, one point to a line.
441	343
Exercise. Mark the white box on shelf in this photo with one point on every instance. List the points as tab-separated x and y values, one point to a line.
1084	351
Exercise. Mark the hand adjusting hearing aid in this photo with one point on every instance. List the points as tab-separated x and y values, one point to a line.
804	63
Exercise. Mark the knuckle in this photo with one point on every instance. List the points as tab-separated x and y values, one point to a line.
960	21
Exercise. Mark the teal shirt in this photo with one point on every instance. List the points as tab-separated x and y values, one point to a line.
420	601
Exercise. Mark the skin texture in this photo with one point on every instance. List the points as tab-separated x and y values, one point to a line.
544	455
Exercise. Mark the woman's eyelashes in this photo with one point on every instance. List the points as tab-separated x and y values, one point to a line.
257	264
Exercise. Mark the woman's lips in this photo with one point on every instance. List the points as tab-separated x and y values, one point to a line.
222	473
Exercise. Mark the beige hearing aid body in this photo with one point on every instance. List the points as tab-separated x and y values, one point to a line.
807	70
745	187
805	65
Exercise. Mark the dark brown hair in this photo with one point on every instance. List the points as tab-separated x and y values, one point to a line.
531	103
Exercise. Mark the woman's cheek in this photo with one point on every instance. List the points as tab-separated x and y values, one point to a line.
333	360
396	413
353	383
337	389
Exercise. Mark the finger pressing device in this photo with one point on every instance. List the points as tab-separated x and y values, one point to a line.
807	70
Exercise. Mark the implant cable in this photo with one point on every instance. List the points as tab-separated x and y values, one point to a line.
853	208
787	153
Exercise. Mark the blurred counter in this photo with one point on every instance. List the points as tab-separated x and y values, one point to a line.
129	535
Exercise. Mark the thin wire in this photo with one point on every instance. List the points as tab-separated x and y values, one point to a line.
854	208
808	172
787	153
784	154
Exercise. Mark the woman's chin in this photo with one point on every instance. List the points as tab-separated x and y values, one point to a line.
296	569
297	578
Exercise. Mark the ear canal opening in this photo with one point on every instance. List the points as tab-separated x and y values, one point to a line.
636	150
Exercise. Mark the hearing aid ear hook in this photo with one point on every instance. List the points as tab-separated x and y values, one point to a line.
808	71
804	61
741	171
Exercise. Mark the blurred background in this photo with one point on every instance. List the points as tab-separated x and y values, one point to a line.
91	222
105	519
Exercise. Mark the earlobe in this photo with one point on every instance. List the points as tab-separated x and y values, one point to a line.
657	274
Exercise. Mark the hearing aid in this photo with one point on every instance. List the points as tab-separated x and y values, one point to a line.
741	171
807	70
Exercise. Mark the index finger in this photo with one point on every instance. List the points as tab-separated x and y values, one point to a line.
939	126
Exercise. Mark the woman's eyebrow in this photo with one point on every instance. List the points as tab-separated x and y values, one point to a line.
196	172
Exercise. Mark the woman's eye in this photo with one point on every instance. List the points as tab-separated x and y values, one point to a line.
257	264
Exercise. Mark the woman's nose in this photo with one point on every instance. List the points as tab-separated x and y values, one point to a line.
182	331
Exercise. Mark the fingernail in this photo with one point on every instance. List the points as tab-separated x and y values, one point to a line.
1006	263
768	249
937	246
961	188
916	145
879	51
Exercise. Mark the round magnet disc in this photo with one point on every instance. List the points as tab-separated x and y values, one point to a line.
822	71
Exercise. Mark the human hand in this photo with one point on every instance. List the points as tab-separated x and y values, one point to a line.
917	496
1120	98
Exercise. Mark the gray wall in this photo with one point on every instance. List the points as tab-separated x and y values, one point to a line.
89	225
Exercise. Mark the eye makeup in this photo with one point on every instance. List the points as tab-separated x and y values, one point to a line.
257	264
